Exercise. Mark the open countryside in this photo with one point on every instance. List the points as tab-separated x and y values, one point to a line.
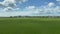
29	25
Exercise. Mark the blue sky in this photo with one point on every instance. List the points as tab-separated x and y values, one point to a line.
36	3
29	7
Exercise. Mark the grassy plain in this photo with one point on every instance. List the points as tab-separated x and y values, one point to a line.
29	25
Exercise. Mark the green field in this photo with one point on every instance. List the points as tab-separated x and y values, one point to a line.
29	25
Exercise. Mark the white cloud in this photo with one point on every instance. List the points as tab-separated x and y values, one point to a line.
9	5
15	13
51	4
49	9
58	0
30	7
20	1
8	9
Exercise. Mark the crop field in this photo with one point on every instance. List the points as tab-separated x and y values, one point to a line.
29	25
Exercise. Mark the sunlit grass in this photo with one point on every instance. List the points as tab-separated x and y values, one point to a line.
29	25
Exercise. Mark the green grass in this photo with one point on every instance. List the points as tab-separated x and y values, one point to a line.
29	25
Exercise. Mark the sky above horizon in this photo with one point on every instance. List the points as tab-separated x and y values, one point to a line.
29	8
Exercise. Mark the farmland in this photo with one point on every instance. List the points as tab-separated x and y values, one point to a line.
29	25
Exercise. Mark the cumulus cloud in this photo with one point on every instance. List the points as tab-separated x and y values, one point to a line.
42	10
51	4
8	9
49	9
9	5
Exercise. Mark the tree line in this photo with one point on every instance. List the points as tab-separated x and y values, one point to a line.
34	17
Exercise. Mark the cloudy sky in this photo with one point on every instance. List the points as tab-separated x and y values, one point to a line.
29	7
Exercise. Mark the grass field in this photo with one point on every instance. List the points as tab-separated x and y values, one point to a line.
29	25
